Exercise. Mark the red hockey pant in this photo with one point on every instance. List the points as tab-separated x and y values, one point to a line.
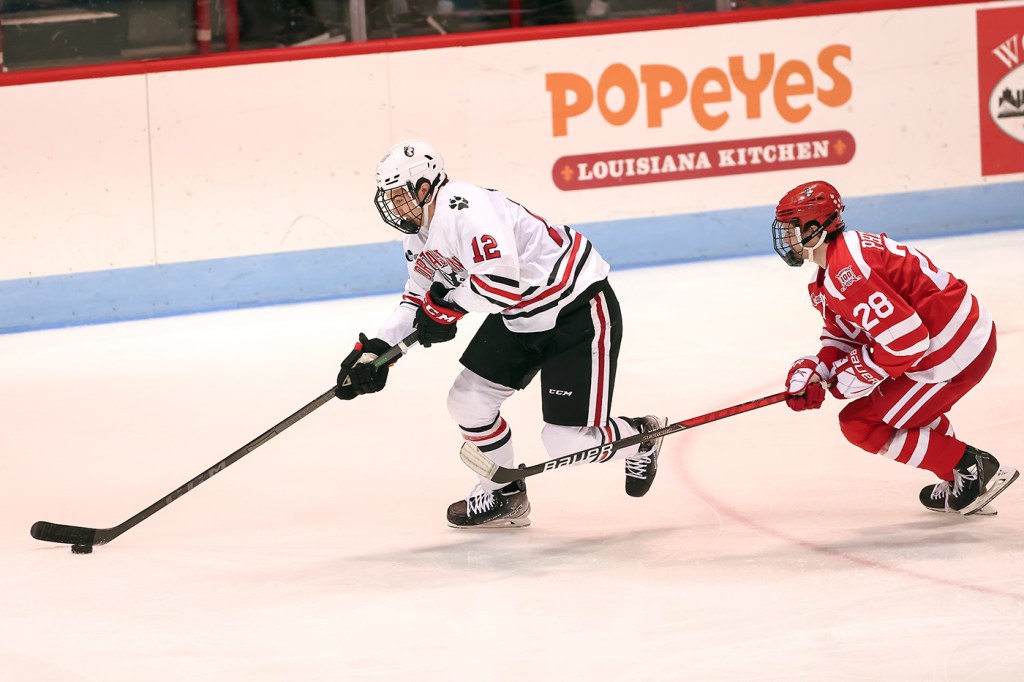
905	420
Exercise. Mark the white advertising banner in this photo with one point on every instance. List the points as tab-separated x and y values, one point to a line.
638	134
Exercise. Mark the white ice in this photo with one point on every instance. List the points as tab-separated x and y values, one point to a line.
768	549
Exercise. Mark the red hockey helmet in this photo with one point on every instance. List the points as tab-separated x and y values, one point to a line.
811	208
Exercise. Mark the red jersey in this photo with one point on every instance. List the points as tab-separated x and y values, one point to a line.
910	316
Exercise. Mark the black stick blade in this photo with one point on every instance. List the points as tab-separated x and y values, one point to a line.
58	532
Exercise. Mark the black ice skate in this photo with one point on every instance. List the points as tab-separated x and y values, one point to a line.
506	507
977	479
643	466
936	498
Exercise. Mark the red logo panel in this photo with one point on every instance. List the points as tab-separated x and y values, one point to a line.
1001	89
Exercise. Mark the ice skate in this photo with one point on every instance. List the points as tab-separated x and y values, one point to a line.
936	498
506	507
642	467
977	480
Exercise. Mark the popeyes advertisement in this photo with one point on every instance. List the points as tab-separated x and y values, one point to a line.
626	132
1001	89
747	87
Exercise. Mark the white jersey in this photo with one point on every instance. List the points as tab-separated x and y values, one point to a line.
496	257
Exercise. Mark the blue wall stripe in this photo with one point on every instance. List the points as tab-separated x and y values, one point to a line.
220	284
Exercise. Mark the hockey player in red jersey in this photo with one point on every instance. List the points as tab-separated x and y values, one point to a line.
902	339
550	311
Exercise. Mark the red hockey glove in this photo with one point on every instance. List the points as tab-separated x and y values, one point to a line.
358	376
856	375
805	384
436	319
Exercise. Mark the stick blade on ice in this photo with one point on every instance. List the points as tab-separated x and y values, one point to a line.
59	532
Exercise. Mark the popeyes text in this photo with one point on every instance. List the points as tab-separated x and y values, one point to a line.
792	87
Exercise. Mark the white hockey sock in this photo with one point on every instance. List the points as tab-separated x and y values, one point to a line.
495	442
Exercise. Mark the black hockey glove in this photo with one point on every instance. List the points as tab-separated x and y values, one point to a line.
436	319
358	375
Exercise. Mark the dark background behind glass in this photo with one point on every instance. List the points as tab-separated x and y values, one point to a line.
38	34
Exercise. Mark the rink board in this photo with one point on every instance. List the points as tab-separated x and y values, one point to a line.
252	184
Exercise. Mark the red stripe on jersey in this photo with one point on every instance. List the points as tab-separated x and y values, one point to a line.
557	238
566	276
601	369
412	299
512	296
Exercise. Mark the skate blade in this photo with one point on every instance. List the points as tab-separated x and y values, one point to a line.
985	511
1003	478
497	524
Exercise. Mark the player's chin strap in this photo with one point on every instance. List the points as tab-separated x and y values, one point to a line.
809	250
483	466
822	231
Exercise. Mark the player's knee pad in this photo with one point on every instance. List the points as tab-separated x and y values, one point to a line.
475	401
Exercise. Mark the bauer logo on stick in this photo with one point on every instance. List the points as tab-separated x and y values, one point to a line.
592	455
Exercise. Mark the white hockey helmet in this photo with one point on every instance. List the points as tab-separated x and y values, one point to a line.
402	172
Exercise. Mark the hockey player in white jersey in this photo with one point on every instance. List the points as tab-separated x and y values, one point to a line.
550	311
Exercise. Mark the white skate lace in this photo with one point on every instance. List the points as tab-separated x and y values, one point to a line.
940	490
637	466
959	478
479	500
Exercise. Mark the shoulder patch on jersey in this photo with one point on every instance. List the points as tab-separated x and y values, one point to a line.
458	203
846	278
410	256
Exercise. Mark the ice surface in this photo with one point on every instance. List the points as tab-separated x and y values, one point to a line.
768	549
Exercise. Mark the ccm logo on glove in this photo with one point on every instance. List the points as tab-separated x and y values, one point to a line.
436	318
437	314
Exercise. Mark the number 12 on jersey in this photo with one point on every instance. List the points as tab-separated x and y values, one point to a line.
485	248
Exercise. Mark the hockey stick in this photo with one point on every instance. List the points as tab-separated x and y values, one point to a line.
83	538
479	462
